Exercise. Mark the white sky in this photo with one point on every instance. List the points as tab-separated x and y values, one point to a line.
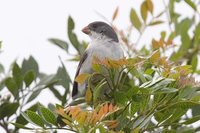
25	26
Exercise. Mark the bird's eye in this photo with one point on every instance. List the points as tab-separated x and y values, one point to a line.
94	26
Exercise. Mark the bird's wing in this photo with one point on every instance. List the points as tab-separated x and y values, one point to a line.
75	85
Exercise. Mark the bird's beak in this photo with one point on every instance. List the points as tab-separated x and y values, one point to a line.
86	30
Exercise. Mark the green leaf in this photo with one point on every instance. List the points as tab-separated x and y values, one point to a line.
56	92
21	119
48	115
12	86
120	98
135	19
17	75
21	126
97	90
60	43
183	104
34	118
8	109
191	120
63	76
72	37
191	4
30	64
1	68
167	90
194	62
195	110
156	22
34	94
197	35
29	77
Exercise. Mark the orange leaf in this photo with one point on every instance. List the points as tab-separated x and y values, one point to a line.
110	108
105	108
74	111
111	124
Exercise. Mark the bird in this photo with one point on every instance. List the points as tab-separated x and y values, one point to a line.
104	44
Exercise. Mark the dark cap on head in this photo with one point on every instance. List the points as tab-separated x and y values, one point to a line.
102	28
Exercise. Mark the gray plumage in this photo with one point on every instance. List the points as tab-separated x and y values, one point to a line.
104	44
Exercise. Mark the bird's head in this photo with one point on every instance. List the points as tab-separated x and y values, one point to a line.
100	30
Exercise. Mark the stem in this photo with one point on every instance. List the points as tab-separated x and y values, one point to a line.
4	125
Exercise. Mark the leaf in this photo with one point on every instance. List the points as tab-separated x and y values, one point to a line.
21	126
191	120
191	4
21	119
150	5
115	14
30	64
34	118
60	43
12	86
143	10
155	56
82	78
8	109
1	68
194	62
34	94
17	75
56	93
197	34
29	77
72	37
63	76
183	104
48	115
135	19
156	22
88	95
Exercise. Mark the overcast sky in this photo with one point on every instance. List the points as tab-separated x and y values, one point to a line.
25	26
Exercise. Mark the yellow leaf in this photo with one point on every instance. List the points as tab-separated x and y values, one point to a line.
115	14
135	19
81	117
155	56
150	6
136	130
155	44
67	122
82	77
144	10
96	67
88	95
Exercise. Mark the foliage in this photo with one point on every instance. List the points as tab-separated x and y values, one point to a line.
25	82
152	90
